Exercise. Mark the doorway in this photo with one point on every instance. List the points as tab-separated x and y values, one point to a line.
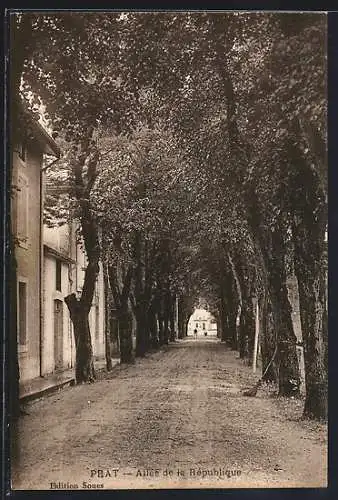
58	334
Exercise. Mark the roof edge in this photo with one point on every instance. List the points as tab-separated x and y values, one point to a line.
45	141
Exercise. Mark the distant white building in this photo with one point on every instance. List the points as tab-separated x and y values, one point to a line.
203	321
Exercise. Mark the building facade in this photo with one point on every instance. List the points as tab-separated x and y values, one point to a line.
64	265
30	144
50	264
58	350
203	321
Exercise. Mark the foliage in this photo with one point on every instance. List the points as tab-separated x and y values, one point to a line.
186	133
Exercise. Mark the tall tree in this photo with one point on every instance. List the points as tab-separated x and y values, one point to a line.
79	87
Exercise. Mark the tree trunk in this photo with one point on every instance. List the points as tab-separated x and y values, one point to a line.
244	277
166	314
79	311
84	366
185	310
224	320
268	341
230	315
186	323
289	376
245	341
121	300
249	312
125	335
272	253
172	319
232	306
166	328
160	319
312	312
152	323
182	319
84	354
233	329
309	205
219	327
310	268
109	365
180	333
237	303
79	308
142	332
243	338
246	329
142	291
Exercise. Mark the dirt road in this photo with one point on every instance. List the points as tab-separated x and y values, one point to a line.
176	418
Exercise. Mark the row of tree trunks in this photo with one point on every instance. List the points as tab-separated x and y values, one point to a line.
153	303
270	247
246	332
275	313
289	379
309	227
275	310
275	323
308	235
155	322
154	300
287	360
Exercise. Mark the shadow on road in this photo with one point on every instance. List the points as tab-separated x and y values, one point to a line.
200	340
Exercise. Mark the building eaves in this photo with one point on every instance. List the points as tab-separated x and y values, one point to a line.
44	140
59	255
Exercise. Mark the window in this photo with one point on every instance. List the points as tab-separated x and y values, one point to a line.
58	275
22	150
97	322
203	326
22	314
22	216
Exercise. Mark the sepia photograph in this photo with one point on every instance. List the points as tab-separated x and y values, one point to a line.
168	322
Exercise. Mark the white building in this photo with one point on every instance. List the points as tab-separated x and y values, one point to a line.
30	143
203	321
64	265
